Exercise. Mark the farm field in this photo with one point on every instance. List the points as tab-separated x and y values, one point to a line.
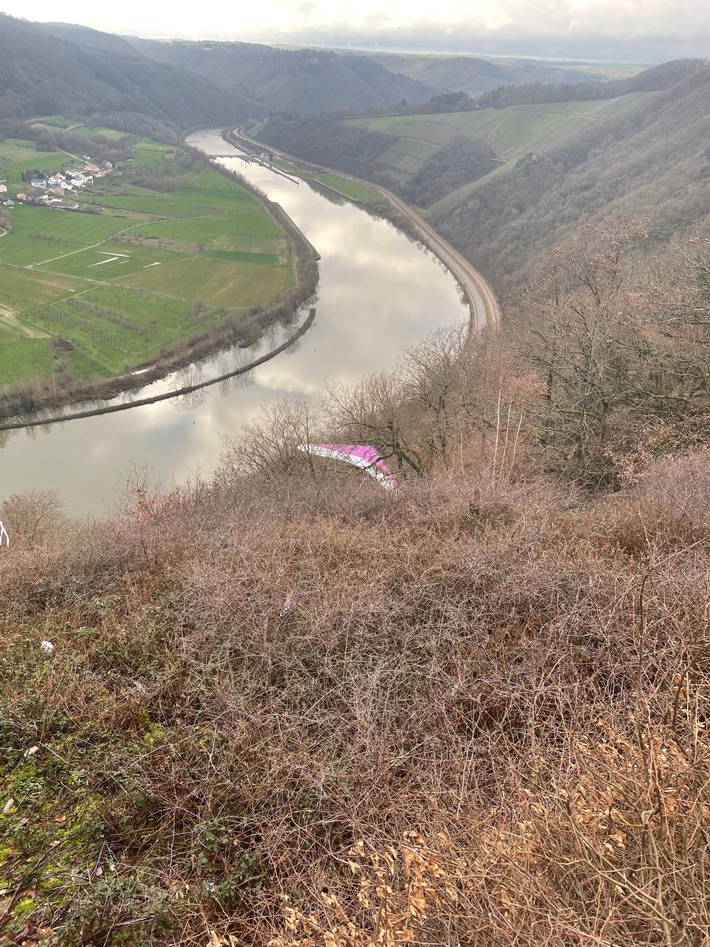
147	258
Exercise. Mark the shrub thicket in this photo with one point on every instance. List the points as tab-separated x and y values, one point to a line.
288	708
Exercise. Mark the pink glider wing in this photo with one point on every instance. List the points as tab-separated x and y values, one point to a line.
359	455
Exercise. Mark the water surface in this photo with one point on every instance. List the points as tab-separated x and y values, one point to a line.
378	292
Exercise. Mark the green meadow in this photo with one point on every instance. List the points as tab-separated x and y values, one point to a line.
150	257
510	132
347	187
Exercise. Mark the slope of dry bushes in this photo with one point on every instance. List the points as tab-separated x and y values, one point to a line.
473	713
288	708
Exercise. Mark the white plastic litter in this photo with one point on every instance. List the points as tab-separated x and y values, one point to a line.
46	647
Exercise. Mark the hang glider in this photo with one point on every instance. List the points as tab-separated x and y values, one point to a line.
359	455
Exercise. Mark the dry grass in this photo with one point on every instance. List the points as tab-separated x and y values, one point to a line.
473	713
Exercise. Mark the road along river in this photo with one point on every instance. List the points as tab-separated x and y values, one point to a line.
485	309
378	293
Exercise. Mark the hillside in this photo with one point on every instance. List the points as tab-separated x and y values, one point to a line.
651	160
288	707
41	74
282	707
475	76
302	80
655	79
505	183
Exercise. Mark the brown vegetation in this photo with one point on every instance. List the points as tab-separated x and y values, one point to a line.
287	708
301	712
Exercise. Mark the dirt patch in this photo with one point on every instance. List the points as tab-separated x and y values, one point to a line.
9	317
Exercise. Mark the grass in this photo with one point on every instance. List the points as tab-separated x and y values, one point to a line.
17	155
360	192
27	251
509	132
407	154
25	290
8	332
107	338
221	283
62	225
209	241
217	228
111	260
58	121
24	359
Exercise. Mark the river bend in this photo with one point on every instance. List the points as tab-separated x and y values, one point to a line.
378	292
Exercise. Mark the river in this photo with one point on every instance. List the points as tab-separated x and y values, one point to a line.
378	292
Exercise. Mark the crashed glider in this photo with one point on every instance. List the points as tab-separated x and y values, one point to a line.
359	455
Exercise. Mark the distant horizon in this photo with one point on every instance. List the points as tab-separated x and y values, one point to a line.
586	31
358	47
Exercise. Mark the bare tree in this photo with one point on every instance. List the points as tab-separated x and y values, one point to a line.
584	340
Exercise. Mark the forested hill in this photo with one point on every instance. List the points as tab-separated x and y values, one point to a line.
41	74
651	159
474	76
301	80
656	79
506	184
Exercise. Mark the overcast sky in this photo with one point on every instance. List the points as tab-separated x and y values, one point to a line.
637	30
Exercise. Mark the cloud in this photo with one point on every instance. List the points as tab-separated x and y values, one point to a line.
602	29
634	30
641	30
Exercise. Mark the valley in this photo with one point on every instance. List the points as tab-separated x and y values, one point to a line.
506	178
248	697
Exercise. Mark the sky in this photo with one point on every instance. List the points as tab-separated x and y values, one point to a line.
618	30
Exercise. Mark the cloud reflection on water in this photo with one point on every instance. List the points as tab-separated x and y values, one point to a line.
377	294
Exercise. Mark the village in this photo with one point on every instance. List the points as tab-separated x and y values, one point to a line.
52	190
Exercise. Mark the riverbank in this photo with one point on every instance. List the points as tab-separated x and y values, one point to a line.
165	396
242	328
377	294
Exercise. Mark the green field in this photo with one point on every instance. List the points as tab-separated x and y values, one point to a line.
24	359
510	132
147	266
408	154
17	155
24	291
347	187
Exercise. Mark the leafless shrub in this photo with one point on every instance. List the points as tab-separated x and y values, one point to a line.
674	494
33	518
